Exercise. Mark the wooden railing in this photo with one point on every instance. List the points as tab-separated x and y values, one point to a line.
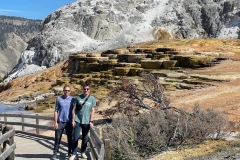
99	149
21	118
7	145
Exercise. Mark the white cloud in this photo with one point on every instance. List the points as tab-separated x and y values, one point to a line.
7	10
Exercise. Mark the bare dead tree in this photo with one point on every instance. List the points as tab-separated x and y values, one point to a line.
153	90
148	93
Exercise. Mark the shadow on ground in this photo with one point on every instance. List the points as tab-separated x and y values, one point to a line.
32	146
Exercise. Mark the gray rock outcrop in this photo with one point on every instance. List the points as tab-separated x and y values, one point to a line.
96	25
14	35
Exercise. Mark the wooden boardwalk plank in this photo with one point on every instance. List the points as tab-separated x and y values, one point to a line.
30	146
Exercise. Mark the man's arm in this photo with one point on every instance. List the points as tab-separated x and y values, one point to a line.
73	115
55	119
56	115
92	114
91	117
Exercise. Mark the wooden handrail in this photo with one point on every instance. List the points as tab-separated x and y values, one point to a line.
97	147
29	125
7	137
26	116
22	123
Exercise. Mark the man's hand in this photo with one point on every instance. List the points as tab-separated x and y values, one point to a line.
55	125
73	124
91	124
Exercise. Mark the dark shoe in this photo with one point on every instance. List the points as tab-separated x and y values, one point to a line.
69	154
54	156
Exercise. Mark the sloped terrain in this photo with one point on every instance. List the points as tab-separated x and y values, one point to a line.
14	35
214	86
98	25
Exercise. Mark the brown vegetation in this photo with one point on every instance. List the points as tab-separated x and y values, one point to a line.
219	87
137	135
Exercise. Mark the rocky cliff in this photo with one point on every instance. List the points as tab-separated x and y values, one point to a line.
96	25
14	35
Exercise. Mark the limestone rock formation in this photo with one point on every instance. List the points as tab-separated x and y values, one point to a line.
97	25
14	35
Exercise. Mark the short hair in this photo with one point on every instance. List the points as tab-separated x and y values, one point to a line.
86	84
67	85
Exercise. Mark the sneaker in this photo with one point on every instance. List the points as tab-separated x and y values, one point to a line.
83	155
54	156
72	157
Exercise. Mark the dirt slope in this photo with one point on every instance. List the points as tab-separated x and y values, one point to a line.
224	96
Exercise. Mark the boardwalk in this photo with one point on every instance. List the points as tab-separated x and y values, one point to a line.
34	139
31	146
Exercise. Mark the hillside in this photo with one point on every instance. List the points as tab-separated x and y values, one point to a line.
192	46
14	35
98	25
221	79
219	88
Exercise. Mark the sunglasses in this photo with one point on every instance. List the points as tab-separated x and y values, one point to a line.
86	89
67	90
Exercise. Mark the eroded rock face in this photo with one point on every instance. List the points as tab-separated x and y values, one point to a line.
97	25
14	34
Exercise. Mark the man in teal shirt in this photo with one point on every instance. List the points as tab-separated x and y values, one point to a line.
82	114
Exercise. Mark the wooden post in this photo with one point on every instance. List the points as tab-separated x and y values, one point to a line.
5	118
88	149
23	121
37	123
10	142
4	131
1	149
99	132
4	143
107	155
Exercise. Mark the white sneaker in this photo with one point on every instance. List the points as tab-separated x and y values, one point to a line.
83	155
72	157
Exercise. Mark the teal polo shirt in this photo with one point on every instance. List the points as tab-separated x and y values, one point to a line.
83	115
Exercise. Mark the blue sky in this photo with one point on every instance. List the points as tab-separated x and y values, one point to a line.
31	9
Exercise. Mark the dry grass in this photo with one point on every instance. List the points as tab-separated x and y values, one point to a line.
188	152
221	95
195	45
32	84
